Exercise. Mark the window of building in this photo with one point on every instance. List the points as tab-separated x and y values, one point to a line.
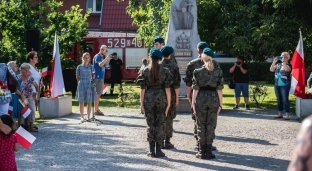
94	5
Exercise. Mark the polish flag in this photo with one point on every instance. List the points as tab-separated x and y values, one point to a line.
10	110
44	72
298	74
104	89
24	138
56	81
25	111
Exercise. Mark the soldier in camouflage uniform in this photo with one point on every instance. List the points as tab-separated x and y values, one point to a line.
155	84
167	51
207	102
191	66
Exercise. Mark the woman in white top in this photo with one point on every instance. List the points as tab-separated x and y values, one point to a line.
32	59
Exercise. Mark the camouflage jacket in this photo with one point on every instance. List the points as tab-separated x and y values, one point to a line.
174	70
145	80
204	78
191	66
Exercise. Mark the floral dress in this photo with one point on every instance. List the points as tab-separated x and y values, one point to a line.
26	86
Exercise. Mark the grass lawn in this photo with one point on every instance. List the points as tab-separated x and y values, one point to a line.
228	99
108	101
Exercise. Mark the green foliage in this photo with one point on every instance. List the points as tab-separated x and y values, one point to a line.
127	95
258	93
257	71
17	16
257	29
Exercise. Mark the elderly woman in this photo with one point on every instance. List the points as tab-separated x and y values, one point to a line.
14	85
32	60
27	81
85	89
282	83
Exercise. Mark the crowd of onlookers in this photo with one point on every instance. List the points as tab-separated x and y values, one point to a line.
22	92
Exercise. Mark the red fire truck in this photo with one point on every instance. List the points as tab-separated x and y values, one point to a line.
128	47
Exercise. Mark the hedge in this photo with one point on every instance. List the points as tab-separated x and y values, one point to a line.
257	71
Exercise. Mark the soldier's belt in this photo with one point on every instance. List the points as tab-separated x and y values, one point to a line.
207	88
154	87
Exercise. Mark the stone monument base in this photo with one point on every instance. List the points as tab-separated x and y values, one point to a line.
184	106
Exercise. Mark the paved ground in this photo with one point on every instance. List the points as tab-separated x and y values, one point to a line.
245	140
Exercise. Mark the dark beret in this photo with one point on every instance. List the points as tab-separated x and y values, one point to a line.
202	45
155	54
209	52
167	50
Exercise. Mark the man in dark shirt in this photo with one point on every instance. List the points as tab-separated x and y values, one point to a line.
116	67
241	79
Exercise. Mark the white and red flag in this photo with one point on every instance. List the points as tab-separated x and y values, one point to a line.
298	74
44	72
104	89
25	111
10	112
24	138
56	81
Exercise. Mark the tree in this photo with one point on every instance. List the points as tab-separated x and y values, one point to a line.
17	16
256	29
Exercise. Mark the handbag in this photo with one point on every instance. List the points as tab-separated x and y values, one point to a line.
231	83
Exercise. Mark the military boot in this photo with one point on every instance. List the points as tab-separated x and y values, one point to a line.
201	152
152	149
167	144
213	148
159	153
209	154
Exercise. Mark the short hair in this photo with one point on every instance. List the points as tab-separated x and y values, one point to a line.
25	66
287	54
30	55
102	46
11	63
241	58
159	40
144	60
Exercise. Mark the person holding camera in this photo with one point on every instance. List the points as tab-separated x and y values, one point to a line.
99	62
116	66
241	79
282	83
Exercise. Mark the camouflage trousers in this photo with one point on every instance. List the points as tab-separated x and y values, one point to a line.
155	104
195	125
207	105
172	113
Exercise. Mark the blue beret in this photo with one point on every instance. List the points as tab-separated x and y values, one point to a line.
209	52
155	54
167	50
202	45
159	40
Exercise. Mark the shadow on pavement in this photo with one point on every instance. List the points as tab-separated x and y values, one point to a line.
267	163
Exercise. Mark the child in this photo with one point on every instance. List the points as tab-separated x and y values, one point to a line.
4	128
8	144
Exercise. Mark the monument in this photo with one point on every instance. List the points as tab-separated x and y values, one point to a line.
182	35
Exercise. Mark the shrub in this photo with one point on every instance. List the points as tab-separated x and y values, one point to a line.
127	95
258	93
